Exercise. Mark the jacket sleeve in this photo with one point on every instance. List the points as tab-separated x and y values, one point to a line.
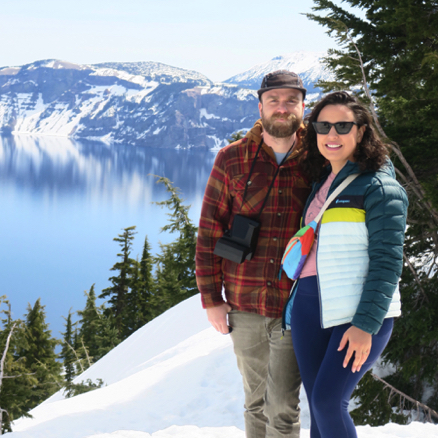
386	206
215	216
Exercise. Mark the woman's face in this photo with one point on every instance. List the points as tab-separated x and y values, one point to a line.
338	148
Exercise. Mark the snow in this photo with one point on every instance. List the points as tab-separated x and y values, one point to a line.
153	70
174	377
306	64
203	113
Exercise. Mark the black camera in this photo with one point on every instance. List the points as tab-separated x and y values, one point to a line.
239	243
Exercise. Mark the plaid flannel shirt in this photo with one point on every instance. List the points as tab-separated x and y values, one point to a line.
252	286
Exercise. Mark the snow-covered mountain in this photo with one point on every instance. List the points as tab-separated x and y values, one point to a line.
174	377
143	103
308	65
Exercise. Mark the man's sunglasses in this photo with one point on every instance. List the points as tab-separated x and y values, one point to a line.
341	127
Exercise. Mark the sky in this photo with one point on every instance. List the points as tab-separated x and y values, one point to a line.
168	380
218	38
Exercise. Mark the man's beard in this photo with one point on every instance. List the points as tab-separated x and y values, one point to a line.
281	130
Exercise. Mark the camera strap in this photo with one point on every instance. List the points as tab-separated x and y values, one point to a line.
248	181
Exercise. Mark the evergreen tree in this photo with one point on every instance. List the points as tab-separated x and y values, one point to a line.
17	381
81	363
122	282
235	137
391	48
168	290
89	323
108	336
176	279
138	306
39	355
67	353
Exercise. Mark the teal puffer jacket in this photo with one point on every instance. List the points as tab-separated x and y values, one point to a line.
360	250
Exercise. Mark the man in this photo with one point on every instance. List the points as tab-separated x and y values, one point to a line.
254	294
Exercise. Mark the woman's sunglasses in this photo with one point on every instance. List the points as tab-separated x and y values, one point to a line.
341	127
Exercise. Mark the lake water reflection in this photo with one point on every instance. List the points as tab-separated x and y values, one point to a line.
64	201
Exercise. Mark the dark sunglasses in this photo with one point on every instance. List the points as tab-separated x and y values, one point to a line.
341	127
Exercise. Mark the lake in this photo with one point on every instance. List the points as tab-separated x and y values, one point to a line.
64	201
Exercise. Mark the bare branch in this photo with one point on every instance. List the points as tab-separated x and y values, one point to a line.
5	351
414	273
77	358
20	375
2	370
86	352
429	412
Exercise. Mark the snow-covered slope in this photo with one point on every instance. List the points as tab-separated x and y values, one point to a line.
175	377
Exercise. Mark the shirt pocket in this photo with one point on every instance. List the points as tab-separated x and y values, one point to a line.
255	194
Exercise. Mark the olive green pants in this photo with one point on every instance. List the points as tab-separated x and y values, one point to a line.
271	379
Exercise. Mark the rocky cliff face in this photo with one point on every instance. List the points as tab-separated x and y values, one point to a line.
144	104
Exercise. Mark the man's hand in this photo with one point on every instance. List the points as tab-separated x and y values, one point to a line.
217	316
359	343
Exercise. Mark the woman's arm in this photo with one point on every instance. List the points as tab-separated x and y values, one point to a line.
386	210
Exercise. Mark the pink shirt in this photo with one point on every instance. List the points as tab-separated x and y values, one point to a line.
315	206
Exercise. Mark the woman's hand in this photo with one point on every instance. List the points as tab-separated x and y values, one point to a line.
359	342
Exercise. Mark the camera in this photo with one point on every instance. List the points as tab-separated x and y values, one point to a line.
239	243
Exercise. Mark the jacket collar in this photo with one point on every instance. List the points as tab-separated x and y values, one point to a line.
255	134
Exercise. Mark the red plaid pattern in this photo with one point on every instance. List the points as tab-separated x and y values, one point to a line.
252	286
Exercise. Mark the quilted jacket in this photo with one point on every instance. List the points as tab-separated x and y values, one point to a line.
360	250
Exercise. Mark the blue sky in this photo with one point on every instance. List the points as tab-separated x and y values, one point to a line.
218	38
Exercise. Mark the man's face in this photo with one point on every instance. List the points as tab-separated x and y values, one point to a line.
281	111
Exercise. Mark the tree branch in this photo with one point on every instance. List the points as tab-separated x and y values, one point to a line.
5	351
430	412
414	273
77	358
416	186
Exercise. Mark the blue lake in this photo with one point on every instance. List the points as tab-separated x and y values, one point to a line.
64	201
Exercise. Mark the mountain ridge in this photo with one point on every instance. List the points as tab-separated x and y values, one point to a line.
138	103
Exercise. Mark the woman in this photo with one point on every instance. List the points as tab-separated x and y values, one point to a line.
342	307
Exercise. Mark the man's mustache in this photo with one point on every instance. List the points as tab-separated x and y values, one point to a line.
287	116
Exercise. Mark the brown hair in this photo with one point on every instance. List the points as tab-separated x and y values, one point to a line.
370	153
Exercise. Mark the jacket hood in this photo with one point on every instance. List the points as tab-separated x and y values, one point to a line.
255	133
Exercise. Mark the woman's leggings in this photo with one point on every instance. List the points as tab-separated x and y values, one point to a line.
327	383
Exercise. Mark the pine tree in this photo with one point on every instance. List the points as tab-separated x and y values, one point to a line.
391	48
89	323
122	282
39	355
138	303
17	381
67	352
108	336
176	279
235	137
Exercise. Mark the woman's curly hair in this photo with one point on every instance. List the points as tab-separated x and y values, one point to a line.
370	153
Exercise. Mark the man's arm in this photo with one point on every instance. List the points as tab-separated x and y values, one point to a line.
215	215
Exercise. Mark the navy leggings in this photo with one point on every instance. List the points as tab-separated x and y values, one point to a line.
327	383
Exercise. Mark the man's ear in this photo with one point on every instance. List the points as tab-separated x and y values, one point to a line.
260	109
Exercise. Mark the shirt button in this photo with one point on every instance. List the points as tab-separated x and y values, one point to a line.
278	214
280	191
269	283
274	239
271	261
